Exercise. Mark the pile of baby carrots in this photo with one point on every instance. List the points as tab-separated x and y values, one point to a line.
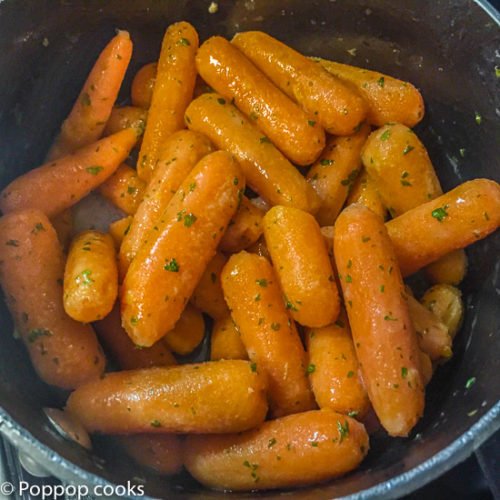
260	197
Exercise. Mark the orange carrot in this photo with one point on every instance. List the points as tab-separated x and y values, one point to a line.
93	107
187	333
172	92
123	117
225	342
118	229
58	185
65	353
365	192
143	85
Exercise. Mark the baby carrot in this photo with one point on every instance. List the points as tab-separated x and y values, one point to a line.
211	397
334	369
143	85
225	342
208	295
118	229
365	192
177	157
383	334
294	132
244	229
302	266
162	453
79	173
296	450
92	109
454	220
124	189
65	353
266	170
128	356
334	174
90	277
337	106
388	99
187	333
267	331
449	269
63	225
167	269
172	92
123	117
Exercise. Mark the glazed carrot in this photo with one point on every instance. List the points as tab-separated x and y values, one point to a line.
162	453
334	174
123	117
266	170
295	450
245	228
334	369
64	353
63	225
269	335
454	220
388	99
337	106
365	192
177	157
166	270
384	337
187	333
211	397
446	303
294	132
128	356
208	295
79	173
124	189
402	171
449	269
90	277
143	85
260	248
225	342
432	335
92	109
302	266
173	89
119	228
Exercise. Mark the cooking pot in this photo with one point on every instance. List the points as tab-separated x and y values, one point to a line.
447	48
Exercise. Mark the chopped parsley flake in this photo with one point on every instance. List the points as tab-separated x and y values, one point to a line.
408	149
171	265
275	326
311	368
86	99
314	444
381	82
388	317
470	382
353	413
264	139
84	277
440	213
155	423
94	170
236	181
271	442
343	430
404	372
326	162
478	118
38	227
385	135
311	123
261	282
36	333
253	367
350	374
189	219
184	41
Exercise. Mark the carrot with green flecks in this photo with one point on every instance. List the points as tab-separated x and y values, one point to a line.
60	184
92	109
172	92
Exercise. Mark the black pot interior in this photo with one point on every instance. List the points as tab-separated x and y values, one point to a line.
446	48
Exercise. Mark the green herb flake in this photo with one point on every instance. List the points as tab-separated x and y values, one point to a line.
221	100
381	82
350	374
171	265
389	317
86	99
257	298
440	213
365	239
470	382
84	277
192	187
343	429
236	181
348	278
155	423
271	442
185	42
36	333
290	306
38	227
408	149
94	170
462	151
478	118
134	320
131	190
353	413
275	326
264	140
382	288
253	367
326	163
349	180
385	135
497	71
311	368
404	372
349	264
314	444
189	219
311	123
261	282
